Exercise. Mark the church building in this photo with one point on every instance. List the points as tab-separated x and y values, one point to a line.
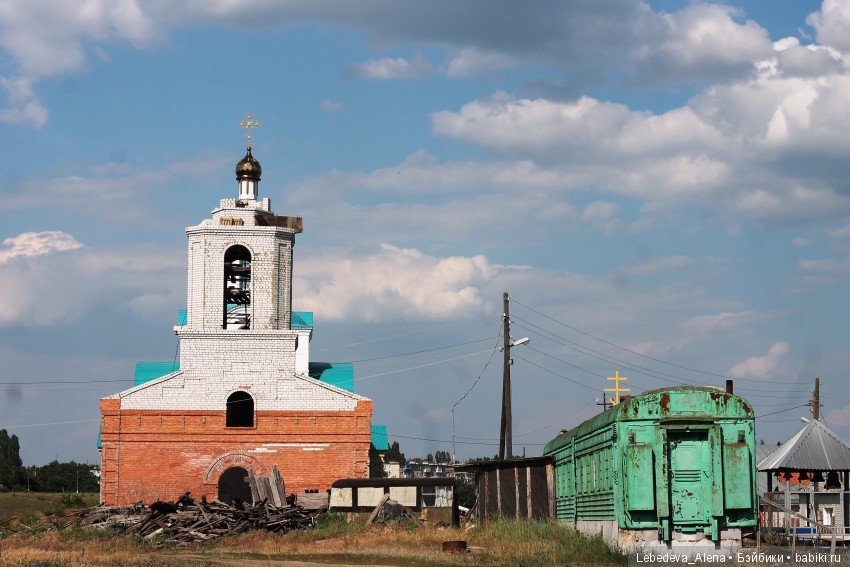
244	396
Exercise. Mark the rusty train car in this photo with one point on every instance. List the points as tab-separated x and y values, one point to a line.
672	467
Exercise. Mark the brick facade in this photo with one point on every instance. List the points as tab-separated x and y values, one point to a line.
168	436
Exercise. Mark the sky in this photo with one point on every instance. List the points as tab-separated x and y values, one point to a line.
662	188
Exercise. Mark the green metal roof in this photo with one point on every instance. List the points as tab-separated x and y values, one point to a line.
379	438
339	374
302	319
147	371
674	401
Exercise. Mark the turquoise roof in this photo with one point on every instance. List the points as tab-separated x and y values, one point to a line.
302	319
379	438
147	371
181	317
339	374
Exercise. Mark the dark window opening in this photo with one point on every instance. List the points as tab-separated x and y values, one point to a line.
237	288
240	410
231	484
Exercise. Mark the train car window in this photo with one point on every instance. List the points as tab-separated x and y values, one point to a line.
369	495
341	498
404	495
443	497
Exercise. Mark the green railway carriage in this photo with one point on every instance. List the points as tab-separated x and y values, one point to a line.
671	467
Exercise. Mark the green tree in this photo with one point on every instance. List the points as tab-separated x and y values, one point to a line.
465	494
11	466
394	454
443	457
66	477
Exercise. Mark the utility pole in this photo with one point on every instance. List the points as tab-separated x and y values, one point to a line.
815	401
605	403
505	435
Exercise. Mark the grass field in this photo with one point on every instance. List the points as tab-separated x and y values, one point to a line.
23	504
332	541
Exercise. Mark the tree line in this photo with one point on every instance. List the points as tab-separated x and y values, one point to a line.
52	477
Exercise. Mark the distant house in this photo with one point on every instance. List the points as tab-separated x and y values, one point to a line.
425	469
810	475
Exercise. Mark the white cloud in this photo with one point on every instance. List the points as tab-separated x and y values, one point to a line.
832	24
36	244
115	192
793	59
722	323
700	42
473	62
392	282
656	265
389	68
760	366
842	232
49	289
22	106
602	215
770	148
48	37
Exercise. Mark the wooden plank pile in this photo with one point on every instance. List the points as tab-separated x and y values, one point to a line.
269	488
187	521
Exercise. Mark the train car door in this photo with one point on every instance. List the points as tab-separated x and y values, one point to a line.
690	481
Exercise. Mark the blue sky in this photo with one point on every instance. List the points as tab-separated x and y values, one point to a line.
669	177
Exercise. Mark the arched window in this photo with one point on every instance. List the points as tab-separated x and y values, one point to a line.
237	288
240	410
231	484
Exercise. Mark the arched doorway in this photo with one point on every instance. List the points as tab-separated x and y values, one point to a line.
231	484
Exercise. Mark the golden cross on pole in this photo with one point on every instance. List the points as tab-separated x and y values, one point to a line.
250	123
617	389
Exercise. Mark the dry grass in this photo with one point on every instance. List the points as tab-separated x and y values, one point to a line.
51	549
497	543
333	540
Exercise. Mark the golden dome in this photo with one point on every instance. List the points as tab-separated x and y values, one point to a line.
248	167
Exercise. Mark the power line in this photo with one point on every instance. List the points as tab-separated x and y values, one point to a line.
565	377
657	374
43	424
638	353
782	411
448	441
405	334
65	382
421	365
420	351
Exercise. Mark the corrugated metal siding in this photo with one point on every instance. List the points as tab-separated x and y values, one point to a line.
339	374
815	447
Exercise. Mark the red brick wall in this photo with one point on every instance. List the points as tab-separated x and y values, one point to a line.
160	454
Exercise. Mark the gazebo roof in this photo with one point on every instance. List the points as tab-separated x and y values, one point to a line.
813	448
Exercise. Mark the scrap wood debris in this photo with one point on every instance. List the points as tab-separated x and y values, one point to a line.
187	521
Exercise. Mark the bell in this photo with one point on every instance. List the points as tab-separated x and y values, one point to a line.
818	477
832	481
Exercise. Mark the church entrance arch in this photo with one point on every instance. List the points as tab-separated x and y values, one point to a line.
231	484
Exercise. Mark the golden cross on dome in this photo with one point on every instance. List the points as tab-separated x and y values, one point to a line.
250	124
